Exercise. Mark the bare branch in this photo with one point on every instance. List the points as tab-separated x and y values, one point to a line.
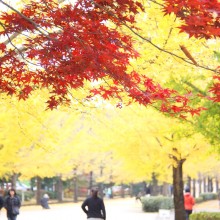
157	139
156	3
11	38
149	41
168	138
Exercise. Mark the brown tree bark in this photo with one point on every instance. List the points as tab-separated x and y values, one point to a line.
194	188
216	184
75	186
122	191
131	191
210	184
200	184
60	189
204	185
38	192
178	191
14	180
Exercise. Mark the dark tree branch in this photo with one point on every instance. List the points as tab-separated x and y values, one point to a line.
10	38
156	3
19	51
37	27
157	139
149	41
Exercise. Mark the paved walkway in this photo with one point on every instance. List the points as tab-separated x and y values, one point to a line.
117	209
209	206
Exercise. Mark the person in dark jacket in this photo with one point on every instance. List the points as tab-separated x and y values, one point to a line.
1	199
12	205
94	207
1	202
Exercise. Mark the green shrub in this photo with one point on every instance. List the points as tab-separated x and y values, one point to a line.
208	196
167	203
52	195
154	203
28	195
205	216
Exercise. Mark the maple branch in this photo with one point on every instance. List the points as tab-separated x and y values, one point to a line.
149	41
10	38
156	3
37	27
169	35
80	102
166	51
19	51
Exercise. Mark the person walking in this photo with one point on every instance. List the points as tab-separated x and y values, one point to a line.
12	204
94	207
189	202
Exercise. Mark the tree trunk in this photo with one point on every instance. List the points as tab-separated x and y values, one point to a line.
14	180
194	188
165	189
210	184
217	184
200	184
178	191
204	185
154	186
131	191
38	192
60	189
75	187
122	191
90	180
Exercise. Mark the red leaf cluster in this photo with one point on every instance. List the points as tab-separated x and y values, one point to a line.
148	93
215	89
66	46
201	17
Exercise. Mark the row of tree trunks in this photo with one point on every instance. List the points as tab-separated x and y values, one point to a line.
203	185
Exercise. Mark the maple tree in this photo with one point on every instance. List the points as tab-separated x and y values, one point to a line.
62	47
61	52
